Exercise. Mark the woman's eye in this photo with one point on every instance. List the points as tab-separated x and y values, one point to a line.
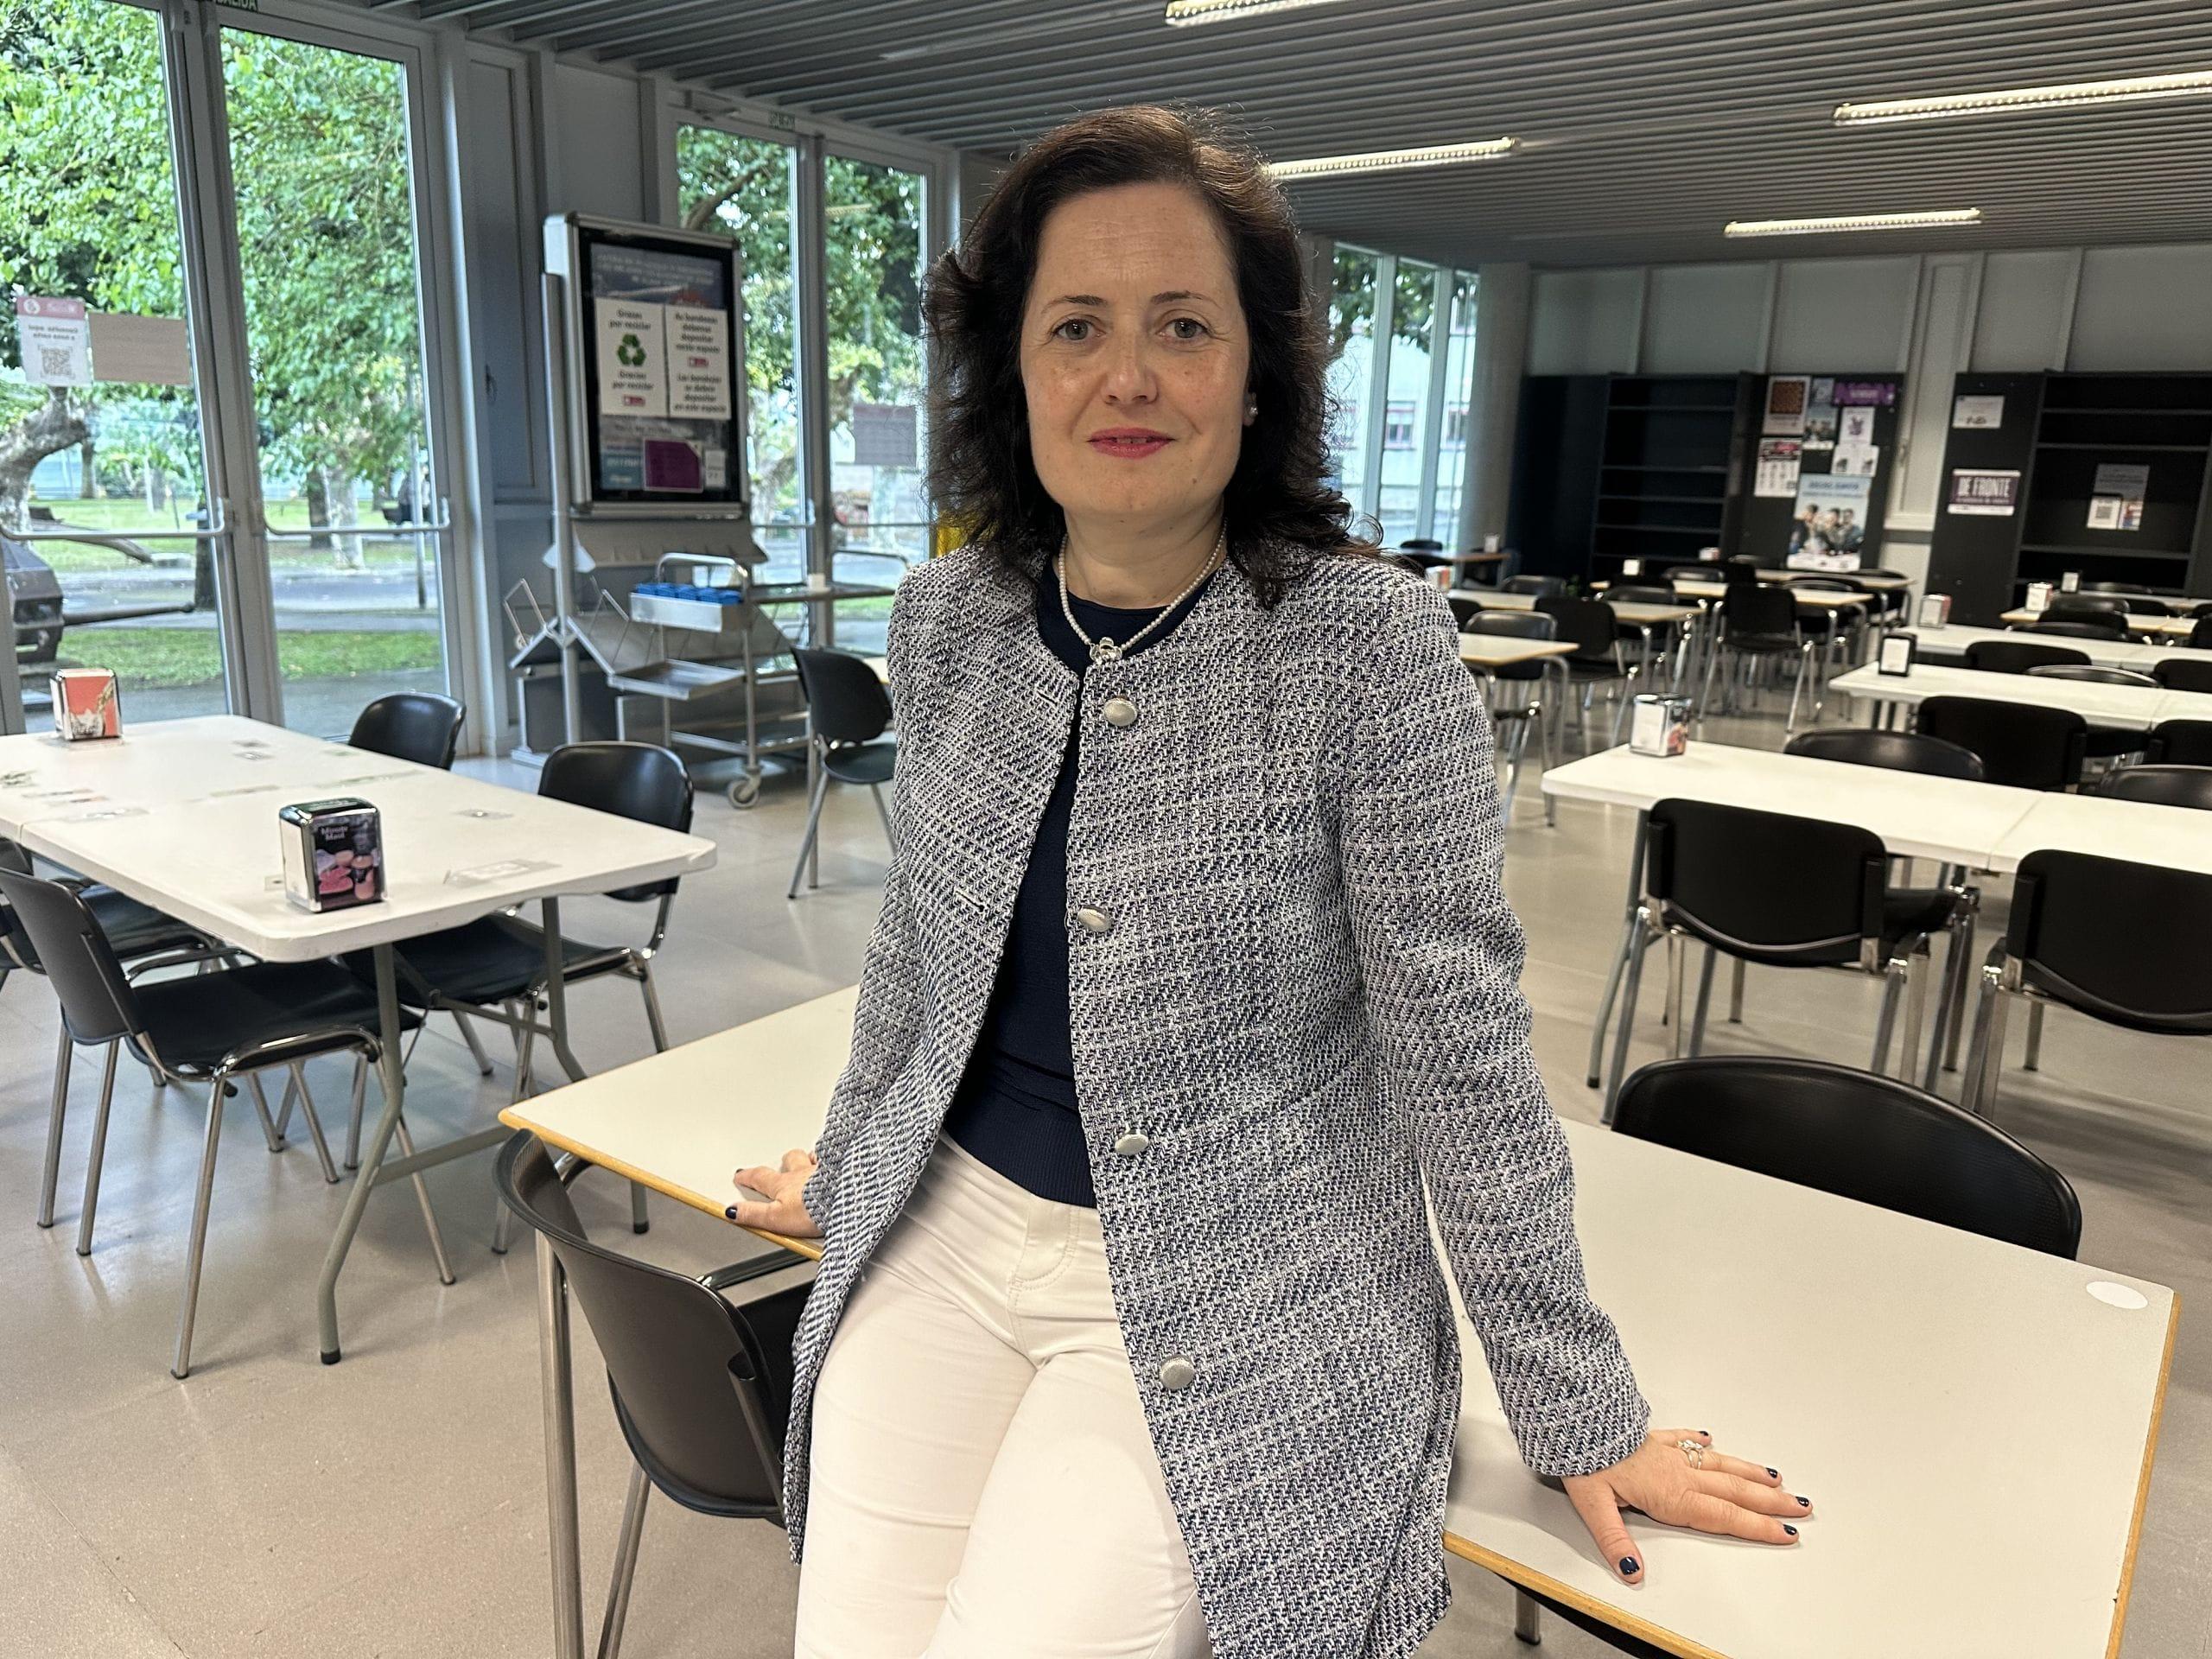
1188	328
1075	328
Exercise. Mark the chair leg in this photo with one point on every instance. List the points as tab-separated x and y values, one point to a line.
284	1110
2032	1060
813	827
1736	993
476	1043
626	1565
1527	1618
299	1084
1916	1010
97	1151
1893	975
353	1119
1797	687
502	1219
261	1110
195	1253
1949	995
1703	1001
1638	944
1678	950
1987	1058
422	1198
883	811
57	1113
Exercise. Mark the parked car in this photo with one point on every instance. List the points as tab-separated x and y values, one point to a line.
35	594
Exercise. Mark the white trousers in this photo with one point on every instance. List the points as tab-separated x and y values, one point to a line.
982	1484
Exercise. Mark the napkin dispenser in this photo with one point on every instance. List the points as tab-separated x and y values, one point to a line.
87	703
334	854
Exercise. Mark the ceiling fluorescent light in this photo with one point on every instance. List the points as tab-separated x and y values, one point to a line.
1377	160
1852	222
2059	97
1181	14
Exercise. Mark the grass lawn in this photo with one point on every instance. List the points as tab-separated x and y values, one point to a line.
165	658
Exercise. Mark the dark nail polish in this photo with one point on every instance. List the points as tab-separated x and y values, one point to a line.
1805	1503
1791	1530
1627	1566
1775	1473
731	1212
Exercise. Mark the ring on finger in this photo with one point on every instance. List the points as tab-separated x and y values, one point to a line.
1692	1450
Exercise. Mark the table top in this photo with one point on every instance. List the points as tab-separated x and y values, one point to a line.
1952	640
1872	581
1634	612
182	814
1807	598
1962	1349
2175	837
2130	708
1916	816
1918	1361
1496	650
2179	626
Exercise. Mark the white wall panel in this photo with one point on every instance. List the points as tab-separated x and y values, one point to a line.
1705	319
1845	316
2027	299
594	125
1585	322
2144	308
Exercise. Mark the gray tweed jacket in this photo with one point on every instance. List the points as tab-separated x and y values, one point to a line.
1306	995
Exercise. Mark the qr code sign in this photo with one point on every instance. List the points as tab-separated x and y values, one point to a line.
54	362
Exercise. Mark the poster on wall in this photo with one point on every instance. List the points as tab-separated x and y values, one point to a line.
698	363
632	362
1787	396
1978	493
1776	474
1828	531
2116	498
1973	414
1872	394
1862	461
55	338
664	393
1819	414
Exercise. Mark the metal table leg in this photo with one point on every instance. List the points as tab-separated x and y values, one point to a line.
349	1219
556	1384
1620	957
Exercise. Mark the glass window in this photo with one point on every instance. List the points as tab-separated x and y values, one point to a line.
1458	392
88	216
1351	328
873	229
743	187
1397	498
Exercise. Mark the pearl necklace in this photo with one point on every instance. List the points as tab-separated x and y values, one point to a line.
1106	650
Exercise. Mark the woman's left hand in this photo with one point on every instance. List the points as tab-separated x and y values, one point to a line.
1702	1489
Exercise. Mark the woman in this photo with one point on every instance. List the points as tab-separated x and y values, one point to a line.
1193	964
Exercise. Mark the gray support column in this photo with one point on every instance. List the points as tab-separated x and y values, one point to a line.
1501	299
808	185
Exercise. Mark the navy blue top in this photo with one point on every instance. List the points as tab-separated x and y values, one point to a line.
1015	1108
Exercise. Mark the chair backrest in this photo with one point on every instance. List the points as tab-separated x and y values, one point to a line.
2200	632
2081	624
1899	751
1857	1136
702	1394
1421	544
1543	586
1768	886
1737	569
2145	606
1823	584
1518	625
2184	673
2180	743
2123	941
1463	610
642	781
2019	656
1618	595
2161	785
2093	674
1754	608
2113	587
2019	744
1590	623
417	726
97	1004
848	701
2087	601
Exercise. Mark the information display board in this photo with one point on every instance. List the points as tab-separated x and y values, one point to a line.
656	372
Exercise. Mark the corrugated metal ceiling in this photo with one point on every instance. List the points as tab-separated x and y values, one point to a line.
1645	126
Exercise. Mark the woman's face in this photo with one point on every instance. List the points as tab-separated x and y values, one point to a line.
1134	356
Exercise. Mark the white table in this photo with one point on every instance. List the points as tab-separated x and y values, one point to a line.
1635	612
2173	837
1809	599
1872	581
1918	1361
181	815
1502	650
1962	1349
1952	641
2176	625
2125	707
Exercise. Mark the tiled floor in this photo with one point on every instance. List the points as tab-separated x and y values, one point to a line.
393	1505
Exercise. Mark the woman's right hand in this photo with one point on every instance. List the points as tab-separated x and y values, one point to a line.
781	1213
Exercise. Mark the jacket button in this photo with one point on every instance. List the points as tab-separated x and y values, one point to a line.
1094	921
1120	711
1132	1143
1178	1373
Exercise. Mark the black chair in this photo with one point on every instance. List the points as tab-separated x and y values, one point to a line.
2200	632
1858	1136
1528	710
2020	745
2161	785
1540	587
1424	551
2147	606
1777	891
1893	598
2184	674
2180	743
1464	609
415	726
2113	587
699	1370
2111	604
848	710
2081	624
1593	627
2019	656
1654	639
1759	624
1898	751
205	1027
2093	674
2062	947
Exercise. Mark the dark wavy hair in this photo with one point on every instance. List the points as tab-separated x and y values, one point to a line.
1281	513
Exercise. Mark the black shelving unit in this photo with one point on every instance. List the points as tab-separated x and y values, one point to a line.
1669	466
2058	430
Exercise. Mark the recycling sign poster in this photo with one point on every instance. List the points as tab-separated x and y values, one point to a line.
633	359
